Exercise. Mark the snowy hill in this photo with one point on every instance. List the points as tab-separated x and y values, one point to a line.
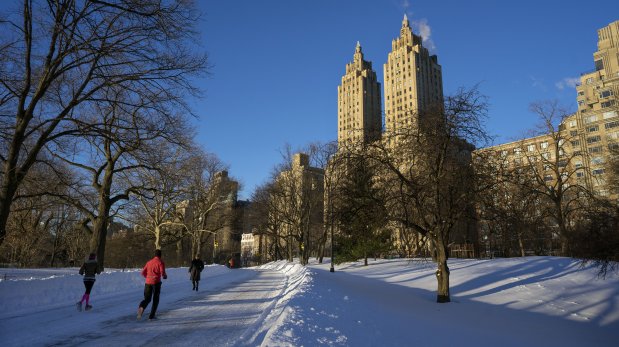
533	301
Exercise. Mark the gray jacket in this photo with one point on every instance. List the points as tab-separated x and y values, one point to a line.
89	269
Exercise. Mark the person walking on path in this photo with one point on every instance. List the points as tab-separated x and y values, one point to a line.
89	269
153	271
197	265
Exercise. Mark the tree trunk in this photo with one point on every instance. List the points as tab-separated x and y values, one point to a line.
198	251
442	273
290	256
521	245
157	237
7	192
98	239
100	222
54	249
179	252
562	228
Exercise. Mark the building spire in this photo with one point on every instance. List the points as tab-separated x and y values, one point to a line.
358	56
405	21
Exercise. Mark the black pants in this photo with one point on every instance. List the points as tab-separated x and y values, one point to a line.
88	284
195	283
151	291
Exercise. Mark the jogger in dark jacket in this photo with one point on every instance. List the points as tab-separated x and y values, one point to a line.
89	269
197	265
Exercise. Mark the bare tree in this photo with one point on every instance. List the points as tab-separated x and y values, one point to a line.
117	143
511	217
298	201
38	222
212	198
268	223
164	191
428	173
554	169
59	57
596	233
323	156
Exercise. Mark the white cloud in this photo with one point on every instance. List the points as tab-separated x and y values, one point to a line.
420	27
568	82
425	32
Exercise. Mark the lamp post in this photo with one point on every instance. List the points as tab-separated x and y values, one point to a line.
199	227
214	246
332	269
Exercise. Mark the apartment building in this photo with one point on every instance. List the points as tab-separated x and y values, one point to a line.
413	80
359	102
585	141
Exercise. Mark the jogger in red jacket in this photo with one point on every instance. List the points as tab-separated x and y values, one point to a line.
153	271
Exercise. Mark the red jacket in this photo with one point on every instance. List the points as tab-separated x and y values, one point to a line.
154	270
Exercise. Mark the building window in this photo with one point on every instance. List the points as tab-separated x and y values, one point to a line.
606	93
608	103
611	125
609	115
548	178
597	160
575	143
544	145
589	119
517	151
573	133
597	171
596	149
531	147
580	174
593	129
593	139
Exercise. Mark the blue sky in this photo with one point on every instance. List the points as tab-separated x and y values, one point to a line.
276	65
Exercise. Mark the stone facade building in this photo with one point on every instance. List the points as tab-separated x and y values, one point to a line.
413	80
585	141
359	106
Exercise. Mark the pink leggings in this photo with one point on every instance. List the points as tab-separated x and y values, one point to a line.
88	284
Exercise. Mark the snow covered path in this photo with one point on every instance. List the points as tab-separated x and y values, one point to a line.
532	301
226	310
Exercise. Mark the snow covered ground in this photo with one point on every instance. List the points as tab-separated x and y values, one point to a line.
533	301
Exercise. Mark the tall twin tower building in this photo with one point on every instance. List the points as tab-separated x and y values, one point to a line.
413	82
